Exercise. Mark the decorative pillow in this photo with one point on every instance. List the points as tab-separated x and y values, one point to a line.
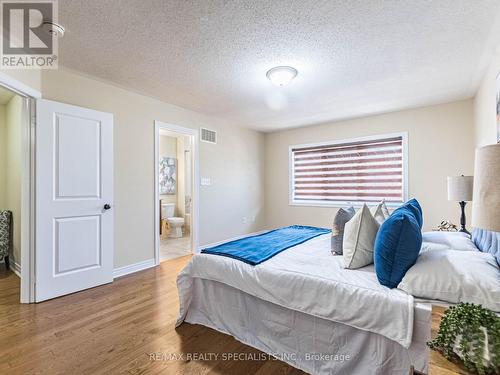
341	218
397	246
455	276
359	236
447	241
414	207
380	212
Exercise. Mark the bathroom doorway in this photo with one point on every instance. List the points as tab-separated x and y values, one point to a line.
176	202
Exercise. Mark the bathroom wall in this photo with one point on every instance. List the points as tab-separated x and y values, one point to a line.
175	145
183	145
168	147
187	183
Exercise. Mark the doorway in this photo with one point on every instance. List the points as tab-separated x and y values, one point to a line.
73	212
176	195
16	190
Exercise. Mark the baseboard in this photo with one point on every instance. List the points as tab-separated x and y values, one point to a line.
136	267
131	268
16	268
232	239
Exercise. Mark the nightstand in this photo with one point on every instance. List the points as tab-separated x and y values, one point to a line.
438	364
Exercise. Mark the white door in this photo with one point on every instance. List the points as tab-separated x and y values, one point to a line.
74	199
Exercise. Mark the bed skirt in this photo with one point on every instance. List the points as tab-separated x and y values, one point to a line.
312	344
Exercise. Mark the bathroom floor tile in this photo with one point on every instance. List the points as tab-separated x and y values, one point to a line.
171	248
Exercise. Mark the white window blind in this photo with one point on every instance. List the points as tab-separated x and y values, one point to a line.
360	171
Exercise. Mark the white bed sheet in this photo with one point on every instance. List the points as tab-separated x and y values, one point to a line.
291	335
308	279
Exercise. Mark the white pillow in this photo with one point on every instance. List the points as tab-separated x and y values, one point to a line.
380	212
359	238
447	240
455	276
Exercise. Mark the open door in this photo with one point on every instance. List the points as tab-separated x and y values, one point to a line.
74	199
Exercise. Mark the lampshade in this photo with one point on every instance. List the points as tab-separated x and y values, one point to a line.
460	188
486	203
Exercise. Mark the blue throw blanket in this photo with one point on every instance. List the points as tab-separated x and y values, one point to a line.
257	249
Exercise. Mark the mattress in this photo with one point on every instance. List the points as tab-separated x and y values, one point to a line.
307	278
314	345
304	308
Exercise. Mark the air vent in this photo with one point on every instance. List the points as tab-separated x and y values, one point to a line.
208	135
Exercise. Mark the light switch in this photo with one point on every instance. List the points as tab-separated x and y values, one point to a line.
205	181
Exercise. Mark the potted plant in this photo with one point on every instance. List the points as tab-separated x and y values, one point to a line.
470	333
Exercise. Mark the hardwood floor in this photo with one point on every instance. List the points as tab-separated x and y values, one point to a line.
114	329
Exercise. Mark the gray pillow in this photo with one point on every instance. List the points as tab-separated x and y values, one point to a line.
341	218
380	212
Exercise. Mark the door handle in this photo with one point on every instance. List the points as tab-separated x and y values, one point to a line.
107	206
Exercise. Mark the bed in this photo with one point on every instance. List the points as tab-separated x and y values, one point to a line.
284	307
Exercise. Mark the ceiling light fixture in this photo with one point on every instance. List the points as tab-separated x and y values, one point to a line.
281	75
53	29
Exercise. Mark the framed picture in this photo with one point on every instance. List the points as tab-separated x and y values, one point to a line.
498	107
168	176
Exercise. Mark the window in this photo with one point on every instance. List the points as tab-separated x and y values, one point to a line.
353	171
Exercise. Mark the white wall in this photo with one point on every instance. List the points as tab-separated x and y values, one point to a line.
29	77
235	164
440	144
440	139
485	123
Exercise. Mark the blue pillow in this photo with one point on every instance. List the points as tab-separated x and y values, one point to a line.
397	245
415	208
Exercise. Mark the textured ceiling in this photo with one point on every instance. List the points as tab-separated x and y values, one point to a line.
354	57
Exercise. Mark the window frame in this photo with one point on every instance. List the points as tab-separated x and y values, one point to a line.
316	203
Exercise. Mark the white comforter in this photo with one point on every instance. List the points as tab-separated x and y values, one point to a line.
308	278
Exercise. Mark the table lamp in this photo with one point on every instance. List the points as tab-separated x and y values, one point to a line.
460	190
486	204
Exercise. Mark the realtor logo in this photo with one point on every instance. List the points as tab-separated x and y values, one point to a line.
29	35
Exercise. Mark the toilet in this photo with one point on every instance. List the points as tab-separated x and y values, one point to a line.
175	223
